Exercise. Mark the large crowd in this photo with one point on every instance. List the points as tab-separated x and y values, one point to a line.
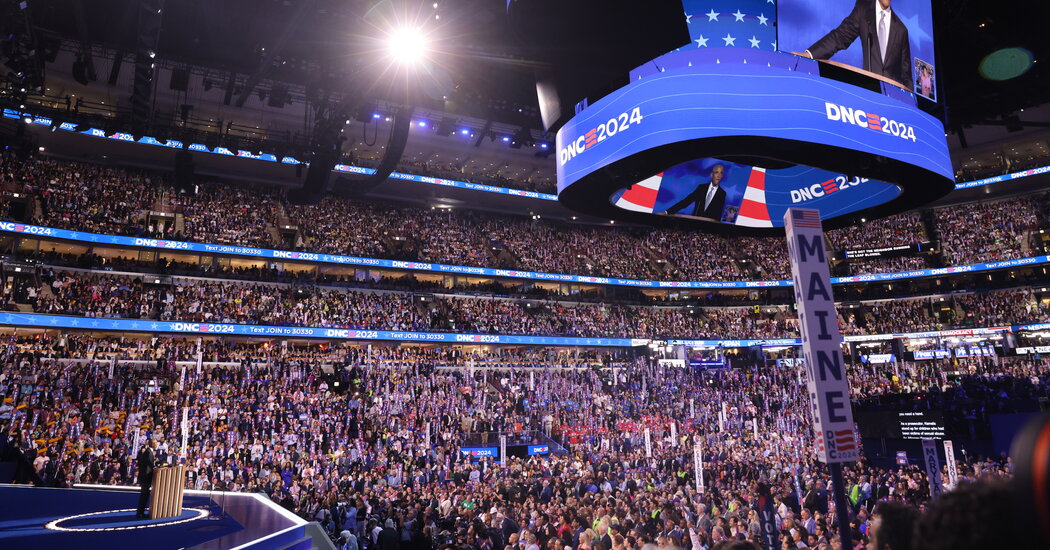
376	460
987	232
366	439
891	231
113	200
111	295
115	295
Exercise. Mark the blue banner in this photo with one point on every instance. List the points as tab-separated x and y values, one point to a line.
479	452
922	355
228	329
791	342
539	449
314	257
1005	177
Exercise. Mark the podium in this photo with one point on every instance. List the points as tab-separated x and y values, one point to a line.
166	498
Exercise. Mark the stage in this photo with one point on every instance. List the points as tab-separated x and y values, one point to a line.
89	517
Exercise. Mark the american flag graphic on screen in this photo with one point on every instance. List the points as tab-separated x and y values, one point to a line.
641	197
749	24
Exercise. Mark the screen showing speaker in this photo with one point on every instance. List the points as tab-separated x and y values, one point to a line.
750	196
892	38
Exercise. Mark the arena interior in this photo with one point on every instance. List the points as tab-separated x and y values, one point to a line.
331	274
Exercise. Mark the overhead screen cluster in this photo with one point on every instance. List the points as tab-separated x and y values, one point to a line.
771	105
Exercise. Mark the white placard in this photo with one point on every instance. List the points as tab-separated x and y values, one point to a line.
933	467
698	468
949	459
185	432
821	341
135	449
648	444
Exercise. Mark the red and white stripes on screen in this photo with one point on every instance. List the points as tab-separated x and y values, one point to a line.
641	197
753	209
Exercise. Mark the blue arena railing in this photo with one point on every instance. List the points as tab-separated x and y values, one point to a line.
277	331
45	321
96	239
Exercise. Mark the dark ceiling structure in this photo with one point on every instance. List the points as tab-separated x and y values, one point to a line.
321	44
486	64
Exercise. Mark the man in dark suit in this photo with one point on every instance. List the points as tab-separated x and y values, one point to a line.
882	34
708	200
147	460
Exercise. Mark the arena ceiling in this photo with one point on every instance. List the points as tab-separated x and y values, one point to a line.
325	42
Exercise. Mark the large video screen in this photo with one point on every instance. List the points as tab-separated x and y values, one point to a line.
738	194
892	38
902	425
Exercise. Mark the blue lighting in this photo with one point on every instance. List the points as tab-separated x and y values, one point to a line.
422	124
543	146
465	131
506	139
376	115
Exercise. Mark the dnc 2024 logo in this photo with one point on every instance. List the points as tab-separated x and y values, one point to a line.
871	121
594	136
818	190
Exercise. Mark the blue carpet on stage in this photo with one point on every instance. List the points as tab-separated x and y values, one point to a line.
104	520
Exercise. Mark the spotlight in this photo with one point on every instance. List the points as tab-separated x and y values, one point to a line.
422	124
407	45
377	116
465	132
543	146
506	139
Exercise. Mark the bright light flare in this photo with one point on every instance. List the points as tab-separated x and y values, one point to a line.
408	45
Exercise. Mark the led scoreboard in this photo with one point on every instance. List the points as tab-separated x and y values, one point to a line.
750	119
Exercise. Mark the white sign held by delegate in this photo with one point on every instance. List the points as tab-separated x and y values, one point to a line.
818	319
